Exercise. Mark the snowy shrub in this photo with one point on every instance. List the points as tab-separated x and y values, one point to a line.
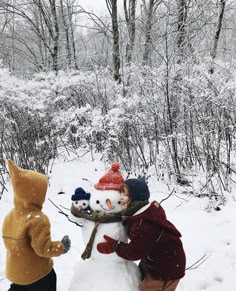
178	125
26	132
27	138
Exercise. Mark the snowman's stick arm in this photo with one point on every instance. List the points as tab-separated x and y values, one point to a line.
62	212
64	207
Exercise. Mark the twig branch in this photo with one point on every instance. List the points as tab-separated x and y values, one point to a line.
62	212
168	196
198	263
91	182
65	207
179	205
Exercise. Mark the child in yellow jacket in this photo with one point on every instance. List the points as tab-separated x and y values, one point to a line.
26	235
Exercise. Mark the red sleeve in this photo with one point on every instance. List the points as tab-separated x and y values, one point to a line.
142	243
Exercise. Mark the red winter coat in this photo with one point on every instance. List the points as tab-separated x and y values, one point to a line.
156	242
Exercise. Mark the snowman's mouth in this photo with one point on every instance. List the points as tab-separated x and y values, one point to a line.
107	209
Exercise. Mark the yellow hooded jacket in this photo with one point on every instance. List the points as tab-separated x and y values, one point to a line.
26	229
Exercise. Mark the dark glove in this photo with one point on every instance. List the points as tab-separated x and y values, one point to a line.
67	243
107	247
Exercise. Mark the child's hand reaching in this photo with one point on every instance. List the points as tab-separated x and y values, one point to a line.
67	243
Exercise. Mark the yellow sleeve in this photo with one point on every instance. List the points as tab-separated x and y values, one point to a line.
40	235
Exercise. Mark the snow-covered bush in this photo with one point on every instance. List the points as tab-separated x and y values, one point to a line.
26	130
179	125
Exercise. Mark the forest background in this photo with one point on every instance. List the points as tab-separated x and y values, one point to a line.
150	84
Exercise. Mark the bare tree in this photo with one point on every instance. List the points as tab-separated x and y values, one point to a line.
181	33
48	24
66	28
24	14
70	8
130	21
112	8
149	11
217	34
55	34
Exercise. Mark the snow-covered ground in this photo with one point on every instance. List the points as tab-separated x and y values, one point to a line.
206	234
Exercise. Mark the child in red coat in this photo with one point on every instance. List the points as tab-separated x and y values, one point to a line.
153	240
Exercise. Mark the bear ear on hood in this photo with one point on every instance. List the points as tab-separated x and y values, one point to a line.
14	171
29	186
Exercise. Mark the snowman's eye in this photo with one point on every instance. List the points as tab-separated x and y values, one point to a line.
98	202
76	202
84	204
118	202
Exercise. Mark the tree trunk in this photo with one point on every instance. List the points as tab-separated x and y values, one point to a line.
112	7
55	36
130	21
66	28
70	12
148	28
217	35
181	34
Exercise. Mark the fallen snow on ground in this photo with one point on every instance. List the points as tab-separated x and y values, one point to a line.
206	234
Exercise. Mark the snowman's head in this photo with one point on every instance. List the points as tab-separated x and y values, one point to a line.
81	204
80	199
106	195
105	200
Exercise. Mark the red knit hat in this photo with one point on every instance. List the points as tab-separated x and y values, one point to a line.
112	180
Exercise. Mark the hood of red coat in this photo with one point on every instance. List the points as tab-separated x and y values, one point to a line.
155	214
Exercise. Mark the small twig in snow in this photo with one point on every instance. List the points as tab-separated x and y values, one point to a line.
91	182
198	263
168	196
179	205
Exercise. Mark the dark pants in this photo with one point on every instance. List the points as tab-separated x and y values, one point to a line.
47	283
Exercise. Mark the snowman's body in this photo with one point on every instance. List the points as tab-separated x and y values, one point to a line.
105	272
115	230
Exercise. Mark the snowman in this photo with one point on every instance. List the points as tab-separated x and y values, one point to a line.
105	272
80	200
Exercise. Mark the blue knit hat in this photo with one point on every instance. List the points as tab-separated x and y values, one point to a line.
80	194
138	189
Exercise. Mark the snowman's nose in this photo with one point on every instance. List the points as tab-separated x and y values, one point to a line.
109	205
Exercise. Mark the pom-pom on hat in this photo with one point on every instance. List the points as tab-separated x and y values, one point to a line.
80	194
138	189
112	180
